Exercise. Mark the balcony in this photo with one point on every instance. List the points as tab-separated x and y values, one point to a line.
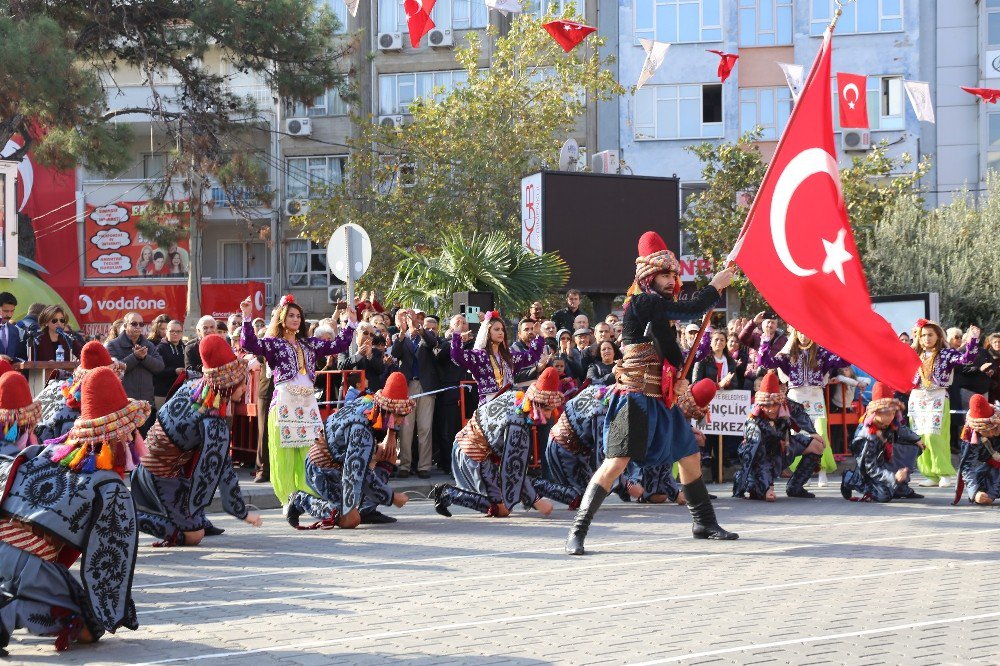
243	196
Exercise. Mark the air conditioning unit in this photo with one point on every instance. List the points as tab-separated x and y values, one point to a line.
391	121
440	39
298	127
336	294
296	207
856	139
605	161
390	41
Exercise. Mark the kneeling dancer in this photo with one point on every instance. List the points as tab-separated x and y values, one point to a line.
58	422
980	464
490	454
576	439
885	449
67	500
19	414
769	446
188	453
643	420
348	473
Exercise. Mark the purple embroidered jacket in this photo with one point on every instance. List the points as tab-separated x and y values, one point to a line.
477	361
827	364
946	362
280	354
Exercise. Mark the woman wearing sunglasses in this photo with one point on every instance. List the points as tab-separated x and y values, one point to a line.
54	335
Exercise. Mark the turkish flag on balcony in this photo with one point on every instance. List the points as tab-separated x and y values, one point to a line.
726	63
853	100
989	95
418	19
568	34
798	249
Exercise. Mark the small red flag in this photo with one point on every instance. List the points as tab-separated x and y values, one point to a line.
853	102
726	63
989	95
568	34
798	250
418	19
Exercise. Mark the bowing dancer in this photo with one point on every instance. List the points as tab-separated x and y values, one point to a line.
980	464
19	414
490	455
643	421
576	439
293	422
65	501
809	368
57	423
187	456
769	445
490	361
348	472
885	450
929	407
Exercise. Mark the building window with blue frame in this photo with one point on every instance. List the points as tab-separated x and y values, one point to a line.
993	22
863	16
446	14
765	22
767	108
678	21
678	112
886	102
993	149
398	91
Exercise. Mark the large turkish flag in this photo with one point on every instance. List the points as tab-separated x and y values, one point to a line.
418	19
798	249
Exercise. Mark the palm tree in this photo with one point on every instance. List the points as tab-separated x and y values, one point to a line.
490	262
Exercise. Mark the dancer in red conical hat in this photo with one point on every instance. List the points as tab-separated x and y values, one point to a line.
980	464
58	422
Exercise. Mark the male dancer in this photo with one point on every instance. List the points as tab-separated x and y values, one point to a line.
979	469
19	414
55	424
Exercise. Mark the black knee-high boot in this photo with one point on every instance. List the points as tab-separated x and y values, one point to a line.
807	466
556	491
593	497
704	524
445	495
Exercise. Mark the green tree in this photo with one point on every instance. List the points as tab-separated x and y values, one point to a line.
491	262
733	173
458	164
951	250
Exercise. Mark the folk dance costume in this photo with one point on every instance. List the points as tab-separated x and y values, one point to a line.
188	453
19	415
643	421
293	422
573	451
490	454
67	500
808	373
882	448
350	469
769	446
491	372
929	407
980	464
57	423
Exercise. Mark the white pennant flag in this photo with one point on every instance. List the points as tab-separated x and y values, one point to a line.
919	93
794	75
655	52
505	7
352	7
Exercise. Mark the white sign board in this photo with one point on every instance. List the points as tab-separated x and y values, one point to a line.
531	212
902	312
728	413
349	252
8	220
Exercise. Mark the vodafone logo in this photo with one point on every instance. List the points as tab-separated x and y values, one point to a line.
134	303
86	304
258	300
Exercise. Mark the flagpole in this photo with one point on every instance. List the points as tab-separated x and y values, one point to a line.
739	239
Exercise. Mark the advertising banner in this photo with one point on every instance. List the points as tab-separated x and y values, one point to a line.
99	305
222	300
113	246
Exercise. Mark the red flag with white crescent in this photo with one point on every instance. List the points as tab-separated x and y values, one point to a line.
798	249
418	19
853	100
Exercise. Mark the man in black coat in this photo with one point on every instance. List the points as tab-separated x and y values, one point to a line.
447	417
172	352
414	347
564	318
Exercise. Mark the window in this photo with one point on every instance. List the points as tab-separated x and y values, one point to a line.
678	20
858	17
307	264
542	8
328	104
768	108
339	9
242	261
309	176
398	91
886	106
467	14
454	14
153	165
678	112
993	150
993	22
765	22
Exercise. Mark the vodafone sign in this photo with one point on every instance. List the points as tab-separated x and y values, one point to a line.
100	305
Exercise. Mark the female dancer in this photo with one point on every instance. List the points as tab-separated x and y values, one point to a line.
809	367
293	422
929	407
644	421
491	361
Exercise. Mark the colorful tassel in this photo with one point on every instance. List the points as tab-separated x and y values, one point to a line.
77	459
12	432
61	452
89	463
105	459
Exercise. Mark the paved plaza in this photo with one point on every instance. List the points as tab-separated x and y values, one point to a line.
821	581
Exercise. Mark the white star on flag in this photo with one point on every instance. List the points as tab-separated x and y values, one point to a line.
836	256
655	53
505	7
919	93
352	7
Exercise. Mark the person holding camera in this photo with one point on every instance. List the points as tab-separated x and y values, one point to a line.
142	363
414	348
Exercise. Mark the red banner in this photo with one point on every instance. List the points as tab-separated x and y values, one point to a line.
100	305
222	300
113	246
